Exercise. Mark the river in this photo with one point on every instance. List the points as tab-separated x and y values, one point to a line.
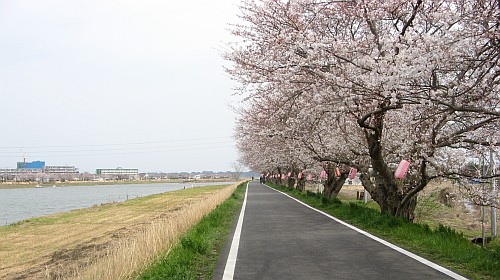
21	204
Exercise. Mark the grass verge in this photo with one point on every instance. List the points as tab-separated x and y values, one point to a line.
196	254
442	245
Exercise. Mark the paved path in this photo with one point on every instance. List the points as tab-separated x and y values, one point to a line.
283	239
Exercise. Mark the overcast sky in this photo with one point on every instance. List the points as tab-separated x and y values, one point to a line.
105	84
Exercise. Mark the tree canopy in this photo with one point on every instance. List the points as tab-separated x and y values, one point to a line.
366	84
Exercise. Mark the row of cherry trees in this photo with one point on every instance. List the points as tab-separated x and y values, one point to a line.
365	84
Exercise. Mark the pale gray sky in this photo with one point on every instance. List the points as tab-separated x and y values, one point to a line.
104	84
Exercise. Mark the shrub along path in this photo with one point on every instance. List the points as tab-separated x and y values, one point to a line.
284	239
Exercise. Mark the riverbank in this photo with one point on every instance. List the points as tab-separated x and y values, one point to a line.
90	241
20	185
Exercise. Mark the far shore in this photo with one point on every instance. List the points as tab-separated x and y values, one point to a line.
20	185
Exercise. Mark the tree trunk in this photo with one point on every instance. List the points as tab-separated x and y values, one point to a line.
278	180
290	182
333	185
408	211
301	184
385	190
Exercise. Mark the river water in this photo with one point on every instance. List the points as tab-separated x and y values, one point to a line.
21	204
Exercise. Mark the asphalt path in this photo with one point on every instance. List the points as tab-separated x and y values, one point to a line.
284	239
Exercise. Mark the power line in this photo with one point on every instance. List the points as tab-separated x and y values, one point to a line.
114	144
131	153
116	149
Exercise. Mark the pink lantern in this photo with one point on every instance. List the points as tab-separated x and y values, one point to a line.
337	171
283	177
289	174
352	173
323	174
401	170
309	177
299	175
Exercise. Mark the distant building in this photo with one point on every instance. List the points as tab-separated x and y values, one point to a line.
153	176
119	173
8	173
31	165
61	169
37	170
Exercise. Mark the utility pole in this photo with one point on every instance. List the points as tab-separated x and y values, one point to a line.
483	210
494	192
484	172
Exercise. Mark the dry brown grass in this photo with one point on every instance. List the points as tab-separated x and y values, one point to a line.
456	215
105	242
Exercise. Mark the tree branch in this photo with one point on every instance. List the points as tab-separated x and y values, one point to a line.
410	21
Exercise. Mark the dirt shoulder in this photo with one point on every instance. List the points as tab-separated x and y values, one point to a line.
51	246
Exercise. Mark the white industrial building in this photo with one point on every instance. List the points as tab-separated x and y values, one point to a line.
117	173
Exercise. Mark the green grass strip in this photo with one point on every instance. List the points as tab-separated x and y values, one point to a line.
442	245
195	256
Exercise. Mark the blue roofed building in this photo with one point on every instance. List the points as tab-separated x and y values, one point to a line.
31	165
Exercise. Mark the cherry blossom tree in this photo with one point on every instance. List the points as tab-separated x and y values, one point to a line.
414	79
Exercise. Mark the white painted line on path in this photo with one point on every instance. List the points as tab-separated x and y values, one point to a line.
390	245
233	252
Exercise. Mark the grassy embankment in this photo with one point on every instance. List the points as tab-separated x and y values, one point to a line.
111	241
195	256
442	244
